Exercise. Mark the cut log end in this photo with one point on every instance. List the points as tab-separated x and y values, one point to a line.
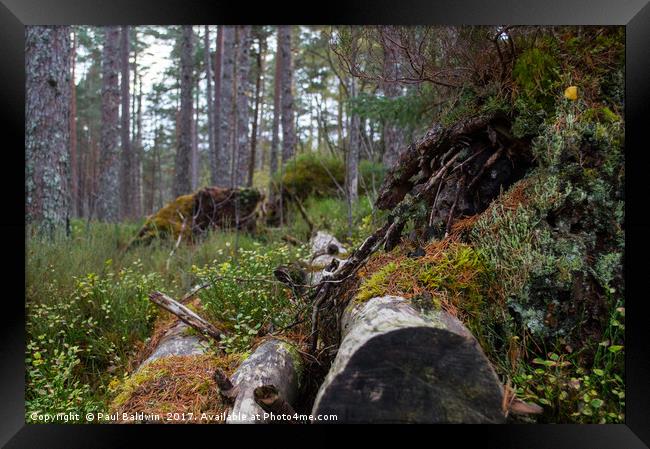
397	366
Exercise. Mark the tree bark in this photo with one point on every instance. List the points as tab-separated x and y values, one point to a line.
194	171
176	341
400	365
209	106
47	127
274	362
288	125
126	155
243	149
108	189
352	165
182	173
216	170
275	137
393	137
138	149
74	177
226	122
259	57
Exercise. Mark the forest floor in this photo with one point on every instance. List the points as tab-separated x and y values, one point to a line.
90	321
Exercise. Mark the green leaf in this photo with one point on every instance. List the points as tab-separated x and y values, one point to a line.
599	372
596	403
615	348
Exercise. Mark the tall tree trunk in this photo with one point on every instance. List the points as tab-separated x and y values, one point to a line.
258	79
339	117
47	127
393	137
138	149
275	137
226	124
182	175
195	140
139	156
209	106
74	177
288	125
107	202
352	165
243	149
214	172
126	177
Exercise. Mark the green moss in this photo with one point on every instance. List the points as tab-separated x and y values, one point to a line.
456	275
312	174
376	285
168	221
149	373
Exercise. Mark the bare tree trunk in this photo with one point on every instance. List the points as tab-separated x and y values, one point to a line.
47	127
209	107
138	156
126	166
275	137
262	154
243	149
352	165
393	137
139	150
74	178
182	175
217	109
288	125
109	167
258	79
226	124
195	141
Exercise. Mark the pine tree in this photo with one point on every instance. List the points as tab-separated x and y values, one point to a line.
47	127
182	173
108	188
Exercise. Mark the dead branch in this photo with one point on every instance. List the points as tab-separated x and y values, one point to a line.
186	315
227	390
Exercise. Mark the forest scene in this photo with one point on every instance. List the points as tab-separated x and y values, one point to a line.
325	224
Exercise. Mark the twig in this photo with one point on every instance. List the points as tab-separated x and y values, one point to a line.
178	241
186	315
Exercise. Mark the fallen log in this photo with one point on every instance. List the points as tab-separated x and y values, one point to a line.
327	253
192	215
274	362
398	365
177	341
186	315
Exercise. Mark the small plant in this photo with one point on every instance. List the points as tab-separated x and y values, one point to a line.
243	297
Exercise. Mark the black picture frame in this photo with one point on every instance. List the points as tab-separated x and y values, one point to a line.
633	14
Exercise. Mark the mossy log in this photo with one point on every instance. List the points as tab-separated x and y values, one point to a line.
274	362
398	365
189	216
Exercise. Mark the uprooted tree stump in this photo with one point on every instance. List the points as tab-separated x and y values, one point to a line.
274	362
190	216
398	365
